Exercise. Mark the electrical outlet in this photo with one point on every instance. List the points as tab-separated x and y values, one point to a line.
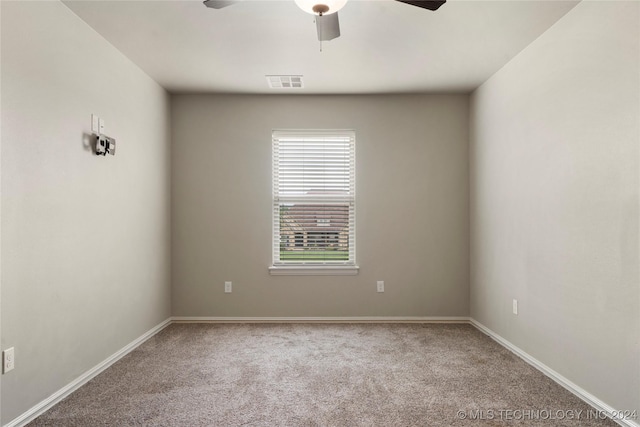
515	306
8	360
380	285
227	287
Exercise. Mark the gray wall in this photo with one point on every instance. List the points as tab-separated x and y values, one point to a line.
412	206
85	239
555	203
1	214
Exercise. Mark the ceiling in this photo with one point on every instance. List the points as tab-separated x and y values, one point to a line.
385	46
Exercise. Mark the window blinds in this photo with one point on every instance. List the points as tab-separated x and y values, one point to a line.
314	198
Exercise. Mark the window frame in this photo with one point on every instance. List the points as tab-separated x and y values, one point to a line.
279	267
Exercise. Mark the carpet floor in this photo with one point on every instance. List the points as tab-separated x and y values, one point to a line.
321	375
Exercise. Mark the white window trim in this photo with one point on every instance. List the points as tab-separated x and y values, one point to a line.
316	268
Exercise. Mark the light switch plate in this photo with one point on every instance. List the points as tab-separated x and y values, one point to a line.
95	124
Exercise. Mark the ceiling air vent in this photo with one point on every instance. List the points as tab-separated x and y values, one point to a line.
285	82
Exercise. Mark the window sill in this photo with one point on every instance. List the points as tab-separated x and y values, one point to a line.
312	270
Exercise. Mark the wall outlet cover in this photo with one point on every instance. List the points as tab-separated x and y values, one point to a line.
8	360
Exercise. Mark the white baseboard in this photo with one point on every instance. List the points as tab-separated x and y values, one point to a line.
58	396
370	319
590	399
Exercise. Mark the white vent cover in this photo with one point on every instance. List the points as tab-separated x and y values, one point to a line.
285	82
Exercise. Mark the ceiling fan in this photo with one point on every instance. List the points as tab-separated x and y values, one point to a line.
326	12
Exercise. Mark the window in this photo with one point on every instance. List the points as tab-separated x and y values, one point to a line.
314	202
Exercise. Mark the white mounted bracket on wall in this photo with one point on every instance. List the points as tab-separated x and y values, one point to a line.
104	144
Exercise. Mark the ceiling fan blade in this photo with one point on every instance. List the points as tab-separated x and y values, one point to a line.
219	4
328	27
425	4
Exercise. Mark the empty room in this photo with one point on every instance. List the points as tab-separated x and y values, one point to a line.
320	213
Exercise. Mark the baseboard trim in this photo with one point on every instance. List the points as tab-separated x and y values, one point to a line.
58	396
365	319
587	397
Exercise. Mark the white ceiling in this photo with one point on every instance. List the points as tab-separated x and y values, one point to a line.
385	46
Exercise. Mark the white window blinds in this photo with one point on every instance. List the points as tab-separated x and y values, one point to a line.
313	198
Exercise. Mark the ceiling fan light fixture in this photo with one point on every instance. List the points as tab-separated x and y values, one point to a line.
321	7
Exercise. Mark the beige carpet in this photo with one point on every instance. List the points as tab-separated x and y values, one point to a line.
320	375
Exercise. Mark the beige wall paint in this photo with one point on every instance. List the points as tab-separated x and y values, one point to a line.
555	205
85	239
0	203
412	206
